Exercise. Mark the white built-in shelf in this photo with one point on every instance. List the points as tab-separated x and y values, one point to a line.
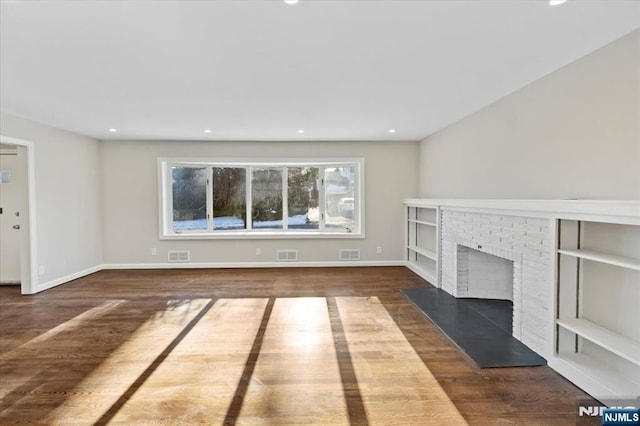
603	381
622	261
422	222
422	241
607	339
424	252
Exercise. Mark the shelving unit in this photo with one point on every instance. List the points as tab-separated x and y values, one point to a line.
422	237
588	325
597	344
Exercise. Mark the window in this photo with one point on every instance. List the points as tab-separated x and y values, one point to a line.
230	199
303	197
189	192
266	198
339	197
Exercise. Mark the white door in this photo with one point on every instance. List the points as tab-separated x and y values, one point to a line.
13	201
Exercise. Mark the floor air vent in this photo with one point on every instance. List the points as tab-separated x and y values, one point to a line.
286	255
179	256
349	254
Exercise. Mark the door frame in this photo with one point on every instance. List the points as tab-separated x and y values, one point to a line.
28	267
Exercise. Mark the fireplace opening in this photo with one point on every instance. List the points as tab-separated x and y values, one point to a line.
484	276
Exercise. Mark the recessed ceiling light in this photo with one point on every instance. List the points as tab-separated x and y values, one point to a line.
291	1
207	130
112	130
301	131
556	2
392	130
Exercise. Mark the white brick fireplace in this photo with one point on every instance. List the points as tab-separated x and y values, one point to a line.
571	268
527	245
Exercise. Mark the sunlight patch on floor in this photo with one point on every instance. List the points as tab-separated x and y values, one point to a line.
111	379
296	379
15	378
67	326
391	376
196	382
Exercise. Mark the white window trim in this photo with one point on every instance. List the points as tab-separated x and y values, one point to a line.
165	201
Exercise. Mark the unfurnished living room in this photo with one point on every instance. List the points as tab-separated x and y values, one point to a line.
323	212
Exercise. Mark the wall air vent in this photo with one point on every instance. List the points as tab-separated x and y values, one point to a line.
349	254
179	256
286	255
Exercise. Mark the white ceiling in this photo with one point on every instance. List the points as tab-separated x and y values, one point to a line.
262	70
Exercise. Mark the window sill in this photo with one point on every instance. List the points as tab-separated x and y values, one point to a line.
262	235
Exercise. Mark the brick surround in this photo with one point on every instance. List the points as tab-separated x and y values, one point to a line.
525	241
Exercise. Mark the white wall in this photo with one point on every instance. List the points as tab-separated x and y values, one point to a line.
572	134
130	188
68	199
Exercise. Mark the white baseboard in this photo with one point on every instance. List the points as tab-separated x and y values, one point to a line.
53	283
217	265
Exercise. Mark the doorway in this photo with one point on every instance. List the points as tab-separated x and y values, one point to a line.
13	197
17	221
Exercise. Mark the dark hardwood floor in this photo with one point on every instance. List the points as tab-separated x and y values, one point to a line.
252	346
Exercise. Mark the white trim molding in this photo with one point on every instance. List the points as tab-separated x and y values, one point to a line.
65	279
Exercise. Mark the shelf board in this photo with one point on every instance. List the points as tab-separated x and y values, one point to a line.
596	378
422	222
424	252
426	274
622	261
609	340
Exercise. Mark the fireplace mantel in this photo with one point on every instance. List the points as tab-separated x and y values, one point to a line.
563	252
614	211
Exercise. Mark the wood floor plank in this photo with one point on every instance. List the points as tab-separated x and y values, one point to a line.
258	346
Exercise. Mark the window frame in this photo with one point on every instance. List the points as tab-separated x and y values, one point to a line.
165	198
